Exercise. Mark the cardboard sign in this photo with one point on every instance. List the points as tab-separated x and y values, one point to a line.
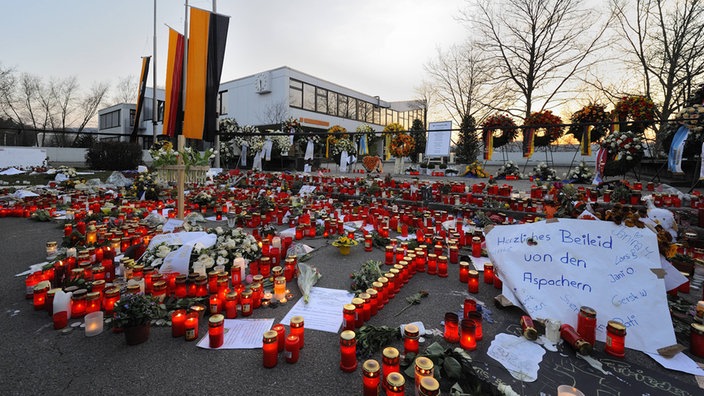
552	269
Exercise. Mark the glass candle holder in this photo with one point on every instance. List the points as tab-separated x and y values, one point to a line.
191	326
246	302
429	386
451	333
568	390
464	271
94	323
178	323
468	339
371	377
696	340
432	264
373	303
292	349
489	273
442	266
359	312
280	335
420	261
279	287
411	334
216	330
231	305
473	281
39	295
380	295
477	318
366	308
298	329
615	344
349	317
395	384
389	255
423	367
586	324
390	361
476	246
270	349
368	244
348	351
454	254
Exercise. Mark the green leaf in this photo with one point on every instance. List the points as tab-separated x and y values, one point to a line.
452	367
410	371
434	351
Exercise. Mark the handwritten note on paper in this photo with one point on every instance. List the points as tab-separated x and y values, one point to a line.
323	311
241	334
552	269
520	356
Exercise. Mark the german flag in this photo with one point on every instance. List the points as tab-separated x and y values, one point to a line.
488	144
528	142
173	108
585	144
206	52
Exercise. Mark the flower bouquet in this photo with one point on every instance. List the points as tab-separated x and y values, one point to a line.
344	244
543	172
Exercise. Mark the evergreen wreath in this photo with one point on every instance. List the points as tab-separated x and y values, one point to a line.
548	127
502	127
593	114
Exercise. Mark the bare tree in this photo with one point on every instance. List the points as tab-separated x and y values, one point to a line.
665	42
538	46
276	113
126	90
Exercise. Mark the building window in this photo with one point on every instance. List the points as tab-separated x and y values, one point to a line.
110	120
377	115
332	103
342	106
222	102
321	100
160	110
133	115
352	108
295	94
308	97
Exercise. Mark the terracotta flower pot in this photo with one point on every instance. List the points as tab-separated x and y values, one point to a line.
135	335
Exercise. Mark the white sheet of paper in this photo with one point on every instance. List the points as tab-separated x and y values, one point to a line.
177	261
323	311
518	355
478	262
241	334
171	224
673	277
679	362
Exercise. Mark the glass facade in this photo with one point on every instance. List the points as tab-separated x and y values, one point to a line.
110	120
302	95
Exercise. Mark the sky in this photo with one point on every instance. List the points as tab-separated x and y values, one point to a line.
377	47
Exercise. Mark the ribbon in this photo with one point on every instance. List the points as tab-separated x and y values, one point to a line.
243	155
363	145
327	146
585	144
601	157
387	155
674	157
257	162
528	142
309	150
488	144
344	157
266	149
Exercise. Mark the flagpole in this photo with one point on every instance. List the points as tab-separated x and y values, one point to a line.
216	141
155	111
181	142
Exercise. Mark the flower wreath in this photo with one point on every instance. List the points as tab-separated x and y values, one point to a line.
693	118
638	109
394	127
502	123
548	124
402	145
624	151
365	130
592	114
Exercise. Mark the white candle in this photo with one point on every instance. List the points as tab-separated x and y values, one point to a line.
94	323
242	263
567	390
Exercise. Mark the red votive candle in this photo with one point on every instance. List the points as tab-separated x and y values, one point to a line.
297	328
454	254
410	339
214	304
348	351
477	318
280	335
216	330
615	339
371	378
231	305
270	349
292	349
191	326
442	266
476	247
432	264
373	301
451	333
359	312
489	273
390	361
39	296
586	324
349	317
178	323
464	271
395	385
696	340
389	255
246	302
468	340
469	306
473	282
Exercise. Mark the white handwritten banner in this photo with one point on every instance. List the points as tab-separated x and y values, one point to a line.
552	269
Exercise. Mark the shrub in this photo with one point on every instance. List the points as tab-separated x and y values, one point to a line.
114	156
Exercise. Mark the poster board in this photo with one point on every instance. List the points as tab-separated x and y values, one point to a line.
551	269
438	141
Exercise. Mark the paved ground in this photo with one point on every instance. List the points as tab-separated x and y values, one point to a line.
39	360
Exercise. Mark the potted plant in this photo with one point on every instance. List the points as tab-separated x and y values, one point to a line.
431	169
344	244
133	313
443	168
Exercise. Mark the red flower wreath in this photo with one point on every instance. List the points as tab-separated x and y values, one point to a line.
546	122
504	125
402	145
